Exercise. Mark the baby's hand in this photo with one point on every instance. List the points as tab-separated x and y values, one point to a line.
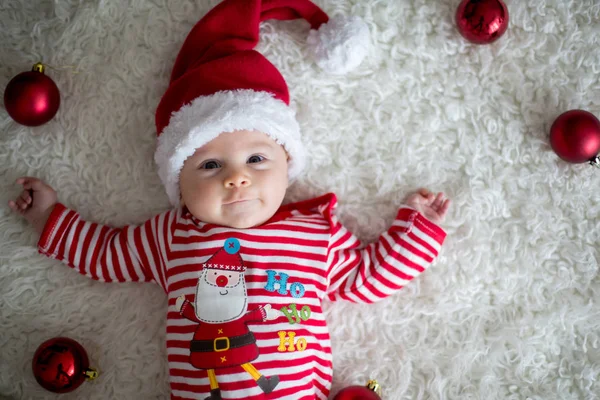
35	202
433	207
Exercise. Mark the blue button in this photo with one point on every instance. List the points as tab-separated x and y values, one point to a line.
232	245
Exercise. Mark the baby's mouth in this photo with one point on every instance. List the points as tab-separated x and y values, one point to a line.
223	294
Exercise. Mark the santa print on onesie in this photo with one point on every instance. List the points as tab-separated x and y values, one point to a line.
222	338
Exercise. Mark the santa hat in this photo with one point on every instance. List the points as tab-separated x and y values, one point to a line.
220	84
227	258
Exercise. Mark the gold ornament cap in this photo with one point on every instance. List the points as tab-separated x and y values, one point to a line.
91	374
374	386
38	67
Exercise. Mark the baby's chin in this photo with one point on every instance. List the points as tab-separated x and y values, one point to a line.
238	221
244	222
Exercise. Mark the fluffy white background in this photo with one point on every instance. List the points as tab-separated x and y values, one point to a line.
510	308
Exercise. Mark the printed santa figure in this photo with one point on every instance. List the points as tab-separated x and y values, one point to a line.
222	338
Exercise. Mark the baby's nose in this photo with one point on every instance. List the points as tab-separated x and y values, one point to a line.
222	281
237	179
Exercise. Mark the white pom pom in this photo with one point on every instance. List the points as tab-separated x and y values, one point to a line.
339	45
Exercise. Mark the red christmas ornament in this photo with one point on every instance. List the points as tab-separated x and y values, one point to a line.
31	98
61	364
575	137
370	392
482	21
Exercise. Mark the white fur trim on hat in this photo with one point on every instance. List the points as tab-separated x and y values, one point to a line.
206	117
339	45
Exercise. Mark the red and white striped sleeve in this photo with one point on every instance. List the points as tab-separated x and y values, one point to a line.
367	274
127	254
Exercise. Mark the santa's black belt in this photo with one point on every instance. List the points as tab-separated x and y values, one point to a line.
222	343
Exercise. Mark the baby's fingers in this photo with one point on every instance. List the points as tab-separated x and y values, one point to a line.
17	206
428	195
444	207
13	206
30	183
22	203
25	181
26	197
438	201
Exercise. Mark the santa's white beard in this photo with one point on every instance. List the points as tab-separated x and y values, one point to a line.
213	305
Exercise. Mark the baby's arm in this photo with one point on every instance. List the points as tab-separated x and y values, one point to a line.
130	253
370	273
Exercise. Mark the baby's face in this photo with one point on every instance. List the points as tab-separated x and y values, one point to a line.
238	179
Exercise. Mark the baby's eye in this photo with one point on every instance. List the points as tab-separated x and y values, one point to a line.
255	159
210	165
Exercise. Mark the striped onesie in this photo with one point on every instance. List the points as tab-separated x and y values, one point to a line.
244	319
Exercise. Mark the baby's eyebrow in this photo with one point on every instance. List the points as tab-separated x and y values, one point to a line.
253	146
260	148
261	144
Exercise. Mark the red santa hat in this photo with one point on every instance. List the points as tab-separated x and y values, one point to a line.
221	84
225	261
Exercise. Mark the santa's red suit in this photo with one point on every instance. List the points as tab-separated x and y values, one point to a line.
224	344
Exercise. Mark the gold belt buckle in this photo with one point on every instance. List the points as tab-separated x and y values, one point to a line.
226	339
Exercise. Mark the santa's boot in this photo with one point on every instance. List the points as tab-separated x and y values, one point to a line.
215	394
267	384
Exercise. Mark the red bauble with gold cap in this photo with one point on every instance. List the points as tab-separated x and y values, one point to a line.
61	365
32	98
482	21
371	391
575	137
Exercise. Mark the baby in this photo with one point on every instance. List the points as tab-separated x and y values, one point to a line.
245	275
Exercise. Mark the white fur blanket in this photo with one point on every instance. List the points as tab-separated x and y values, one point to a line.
508	311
